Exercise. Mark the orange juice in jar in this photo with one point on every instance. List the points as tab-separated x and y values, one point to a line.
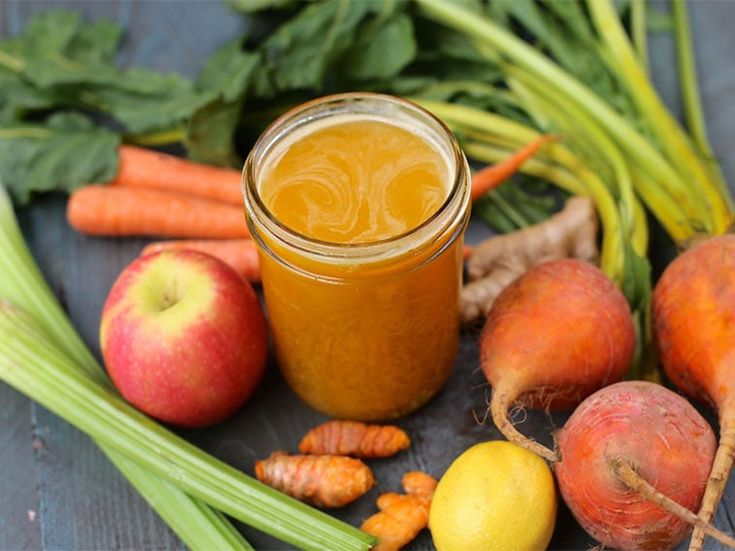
358	203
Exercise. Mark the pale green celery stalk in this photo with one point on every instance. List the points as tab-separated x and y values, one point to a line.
688	82
198	526
38	369
639	31
633	216
666	129
578	126
21	281
498	140
470	117
483	30
196	523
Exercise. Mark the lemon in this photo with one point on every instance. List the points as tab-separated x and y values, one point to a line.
496	495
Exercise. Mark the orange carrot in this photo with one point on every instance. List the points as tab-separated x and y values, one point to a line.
322	480
341	437
402	517
240	254
467	251
151	169
104	210
491	177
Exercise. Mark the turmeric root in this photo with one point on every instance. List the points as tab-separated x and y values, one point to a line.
498	261
322	480
341	437
419	484
402	517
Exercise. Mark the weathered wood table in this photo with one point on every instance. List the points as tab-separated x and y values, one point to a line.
57	491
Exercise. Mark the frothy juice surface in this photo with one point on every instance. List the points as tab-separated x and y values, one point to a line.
359	339
356	182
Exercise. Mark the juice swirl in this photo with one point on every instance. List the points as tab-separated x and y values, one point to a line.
356	182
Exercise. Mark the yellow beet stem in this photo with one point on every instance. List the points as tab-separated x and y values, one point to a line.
503	397
625	472
664	126
717	479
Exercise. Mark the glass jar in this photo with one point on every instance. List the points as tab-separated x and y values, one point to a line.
363	331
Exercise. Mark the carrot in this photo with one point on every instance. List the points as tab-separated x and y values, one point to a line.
240	254
150	169
340	437
467	251
322	480
624	451
492	176
554	336
104	210
694	331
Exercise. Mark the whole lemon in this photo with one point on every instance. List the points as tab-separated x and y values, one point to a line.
496	495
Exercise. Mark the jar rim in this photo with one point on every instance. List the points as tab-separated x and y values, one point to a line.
458	193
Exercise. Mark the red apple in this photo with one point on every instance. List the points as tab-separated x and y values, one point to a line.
183	337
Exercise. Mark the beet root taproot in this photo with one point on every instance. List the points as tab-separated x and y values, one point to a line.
635	458
554	336
694	331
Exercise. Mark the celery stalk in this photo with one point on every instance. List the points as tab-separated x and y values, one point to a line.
198	526
35	367
196	523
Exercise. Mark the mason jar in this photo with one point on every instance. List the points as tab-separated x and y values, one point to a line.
365	331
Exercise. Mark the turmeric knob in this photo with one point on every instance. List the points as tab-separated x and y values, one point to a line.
322	480
420	485
340	437
402	517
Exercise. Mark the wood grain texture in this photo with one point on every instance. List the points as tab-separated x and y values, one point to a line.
82	502
19	523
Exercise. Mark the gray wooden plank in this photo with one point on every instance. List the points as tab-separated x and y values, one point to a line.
19	504
86	504
712	24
